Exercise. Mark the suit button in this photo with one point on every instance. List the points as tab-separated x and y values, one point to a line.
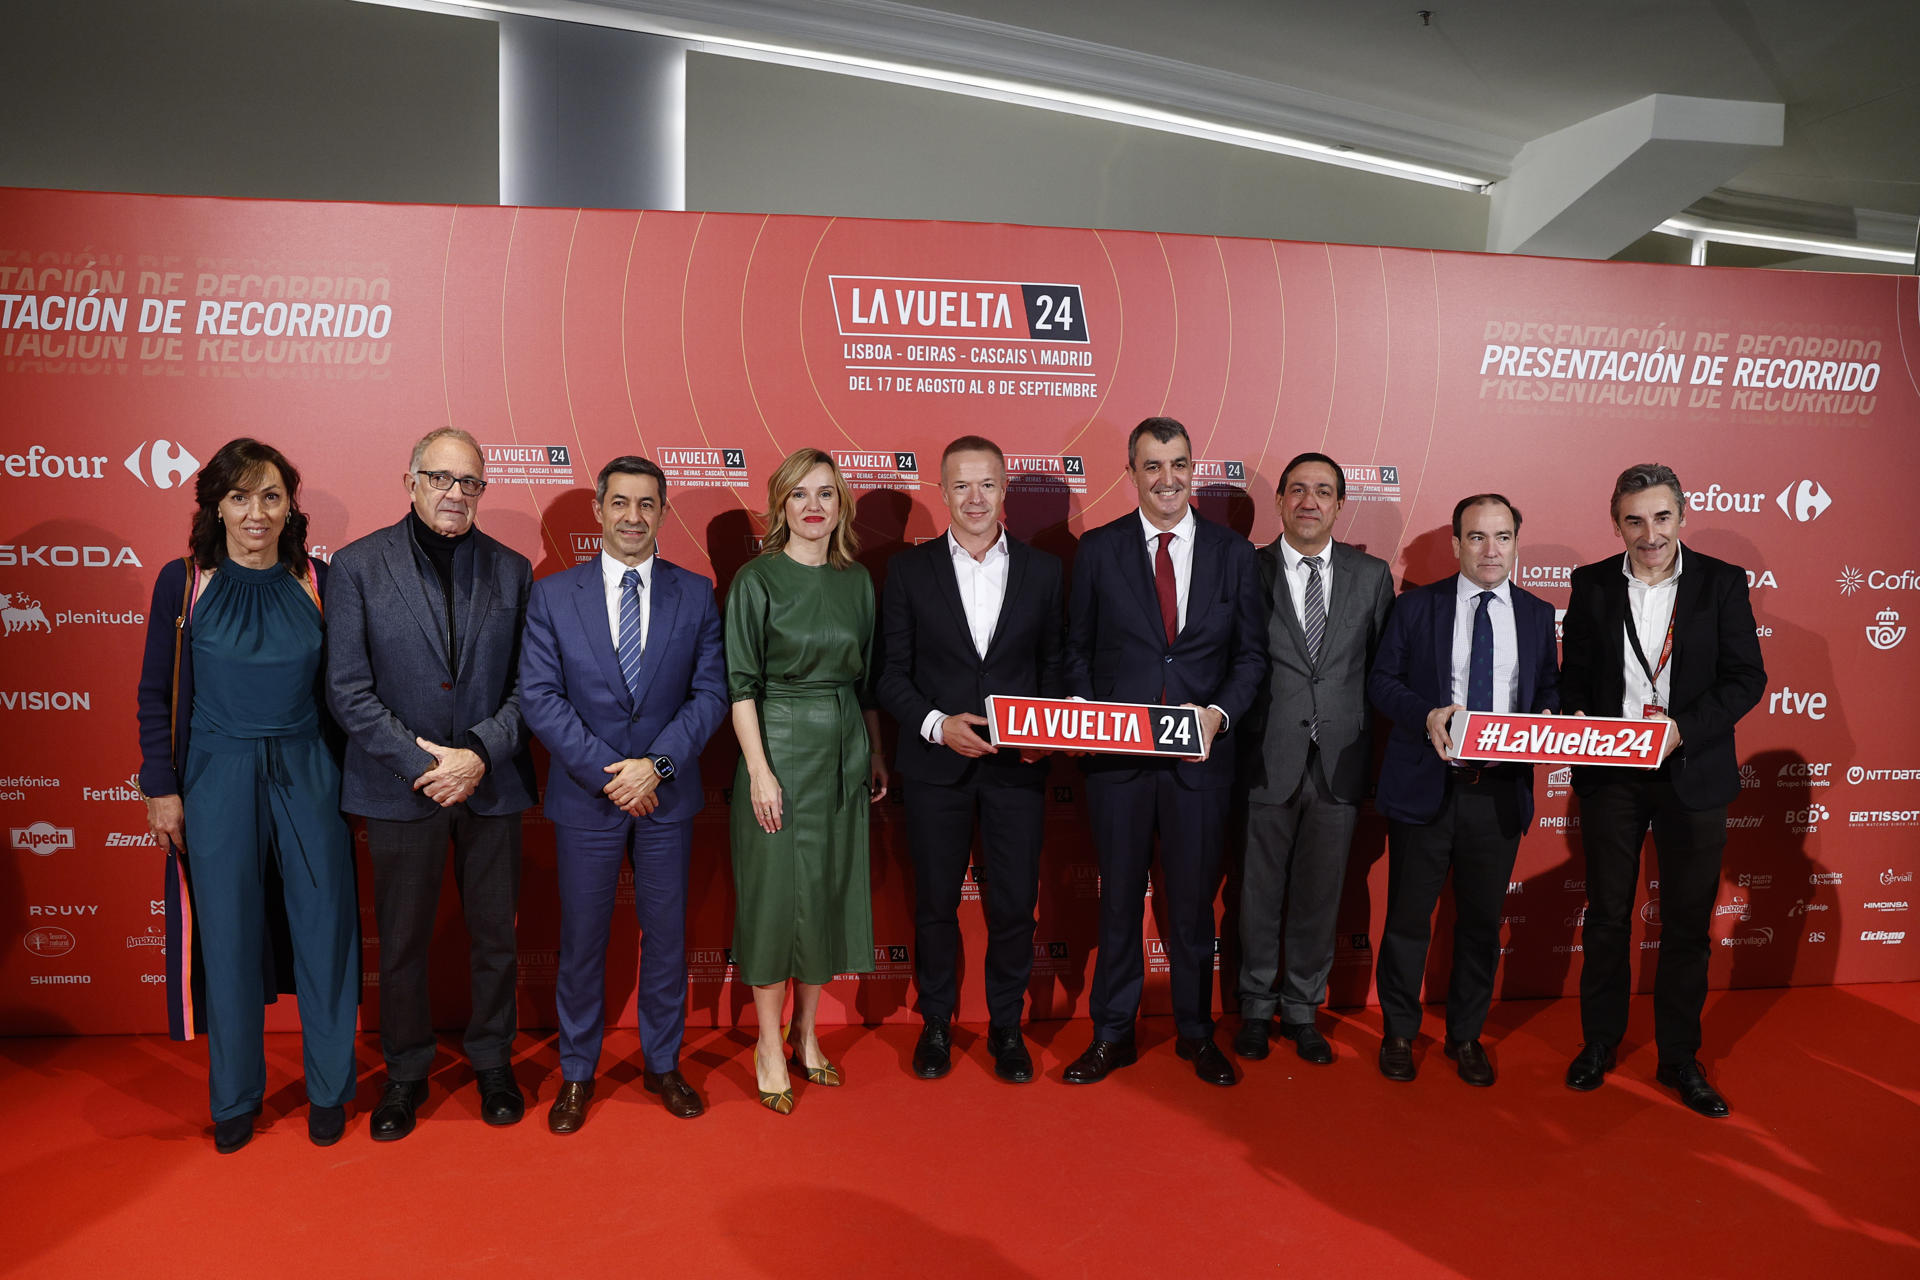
1169	659
636	718
446	684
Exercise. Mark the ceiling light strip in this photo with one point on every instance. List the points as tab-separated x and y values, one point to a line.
1695	229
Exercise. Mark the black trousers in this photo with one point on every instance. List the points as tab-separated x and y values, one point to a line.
1475	837
940	824
1614	820
1125	815
409	861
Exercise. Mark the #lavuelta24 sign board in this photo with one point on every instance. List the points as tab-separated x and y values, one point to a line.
139	333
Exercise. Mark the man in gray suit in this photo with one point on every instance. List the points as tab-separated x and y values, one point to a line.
1326	605
423	662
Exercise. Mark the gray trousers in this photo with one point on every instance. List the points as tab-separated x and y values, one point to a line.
1295	863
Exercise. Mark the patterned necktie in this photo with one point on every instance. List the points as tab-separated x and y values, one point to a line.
1316	627
1166	588
1480	657
631	647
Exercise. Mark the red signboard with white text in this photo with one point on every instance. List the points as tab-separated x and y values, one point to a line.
137	334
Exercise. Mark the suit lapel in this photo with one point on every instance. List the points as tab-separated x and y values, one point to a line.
1343	610
1281	594
411	587
590	601
1204	573
478	584
1443	611
1686	601
947	585
1136	565
1017	558
661	612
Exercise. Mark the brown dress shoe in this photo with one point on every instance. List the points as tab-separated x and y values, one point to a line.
569	1110
675	1093
1475	1067
1396	1058
1208	1062
1100	1058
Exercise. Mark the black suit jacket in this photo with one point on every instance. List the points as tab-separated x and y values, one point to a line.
929	661
1413	674
1117	648
1718	675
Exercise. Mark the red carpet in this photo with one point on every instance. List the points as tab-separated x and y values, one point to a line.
107	1168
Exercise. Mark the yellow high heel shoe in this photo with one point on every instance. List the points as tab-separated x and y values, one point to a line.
780	1103
828	1075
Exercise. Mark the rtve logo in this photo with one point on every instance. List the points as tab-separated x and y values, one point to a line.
1785	702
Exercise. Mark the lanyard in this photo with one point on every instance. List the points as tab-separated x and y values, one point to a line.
1666	648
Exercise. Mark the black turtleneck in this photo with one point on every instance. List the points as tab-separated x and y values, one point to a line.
439	549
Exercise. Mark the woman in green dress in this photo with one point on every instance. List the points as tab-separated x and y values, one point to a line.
799	654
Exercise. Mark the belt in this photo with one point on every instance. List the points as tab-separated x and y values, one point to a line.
1475	775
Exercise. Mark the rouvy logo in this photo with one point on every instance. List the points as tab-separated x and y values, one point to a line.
1803	501
163	464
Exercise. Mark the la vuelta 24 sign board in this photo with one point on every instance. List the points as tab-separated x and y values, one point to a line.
1120	728
1530	739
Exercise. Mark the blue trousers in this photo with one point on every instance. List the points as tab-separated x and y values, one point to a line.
588	864
248	800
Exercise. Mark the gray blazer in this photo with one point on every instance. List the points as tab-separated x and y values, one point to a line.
1335	687
388	679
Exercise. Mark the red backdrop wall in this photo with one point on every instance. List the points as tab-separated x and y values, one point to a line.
139	333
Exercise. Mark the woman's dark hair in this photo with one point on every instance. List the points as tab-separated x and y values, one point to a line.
238	465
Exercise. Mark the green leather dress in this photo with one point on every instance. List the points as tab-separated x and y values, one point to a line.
800	644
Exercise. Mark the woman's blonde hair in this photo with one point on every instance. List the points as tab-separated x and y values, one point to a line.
844	544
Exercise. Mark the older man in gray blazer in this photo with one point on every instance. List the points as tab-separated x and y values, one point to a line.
1326	605
423	661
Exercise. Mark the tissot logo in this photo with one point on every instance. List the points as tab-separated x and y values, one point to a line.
163	464
1803	501
42	838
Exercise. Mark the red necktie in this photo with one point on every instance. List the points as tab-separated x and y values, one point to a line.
1165	587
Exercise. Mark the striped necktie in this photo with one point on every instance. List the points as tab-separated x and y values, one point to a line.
1316	627
631	644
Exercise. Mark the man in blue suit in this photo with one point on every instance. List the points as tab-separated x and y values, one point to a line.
624	679
1473	641
1166	608
423	649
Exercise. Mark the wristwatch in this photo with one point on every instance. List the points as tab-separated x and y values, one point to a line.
663	765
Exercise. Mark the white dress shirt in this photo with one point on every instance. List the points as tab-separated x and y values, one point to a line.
611	571
1180	551
983	589
1649	609
1297	577
1506	645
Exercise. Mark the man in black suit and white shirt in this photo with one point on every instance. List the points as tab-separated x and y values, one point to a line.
972	613
1664	633
1325	605
1165	609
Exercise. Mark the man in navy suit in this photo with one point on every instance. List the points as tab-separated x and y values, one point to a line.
624	679
1166	608
423	651
1474	642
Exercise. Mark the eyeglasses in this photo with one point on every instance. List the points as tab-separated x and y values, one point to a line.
445	480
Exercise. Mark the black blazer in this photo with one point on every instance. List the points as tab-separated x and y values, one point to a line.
929	662
1117	648
1413	674
1717	672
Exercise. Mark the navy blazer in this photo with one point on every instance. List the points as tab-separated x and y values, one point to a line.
1413	674
1117	648
575	698
929	662
388	680
1717	673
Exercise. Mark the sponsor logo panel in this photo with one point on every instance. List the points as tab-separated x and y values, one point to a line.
529	464
702	467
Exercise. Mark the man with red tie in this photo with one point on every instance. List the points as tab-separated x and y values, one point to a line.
1165	609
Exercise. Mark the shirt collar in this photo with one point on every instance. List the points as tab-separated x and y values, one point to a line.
1182	532
611	570
1466	590
1293	559
998	551
1679	563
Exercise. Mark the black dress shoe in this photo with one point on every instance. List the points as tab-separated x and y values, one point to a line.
325	1125
1695	1092
675	1093
933	1056
569	1109
501	1101
233	1133
1308	1042
1011	1061
1590	1066
1475	1067
392	1119
1396	1058
1251	1040
1101	1058
1208	1062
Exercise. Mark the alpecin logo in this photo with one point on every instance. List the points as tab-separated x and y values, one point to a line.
42	838
1886	630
